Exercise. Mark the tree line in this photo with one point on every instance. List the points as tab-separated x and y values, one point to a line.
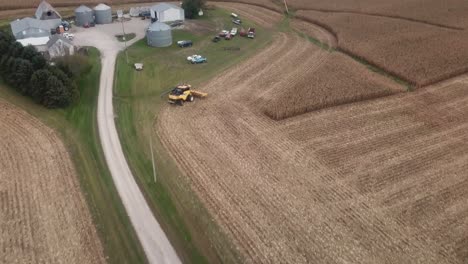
28	72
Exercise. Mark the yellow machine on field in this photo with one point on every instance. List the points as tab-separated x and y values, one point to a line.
184	93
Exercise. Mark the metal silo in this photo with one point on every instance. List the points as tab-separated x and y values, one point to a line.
84	15
159	35
103	14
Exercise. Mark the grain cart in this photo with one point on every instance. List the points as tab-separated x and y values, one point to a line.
184	93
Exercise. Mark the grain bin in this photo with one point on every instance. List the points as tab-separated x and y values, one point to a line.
84	16
159	35
103	14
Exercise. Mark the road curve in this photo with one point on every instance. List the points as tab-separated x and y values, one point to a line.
153	239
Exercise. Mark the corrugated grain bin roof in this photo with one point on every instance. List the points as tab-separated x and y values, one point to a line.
102	7
83	8
158	26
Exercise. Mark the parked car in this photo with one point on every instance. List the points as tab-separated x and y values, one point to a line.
234	32
69	36
236	21
216	39
228	36
223	33
251	33
196	59
185	43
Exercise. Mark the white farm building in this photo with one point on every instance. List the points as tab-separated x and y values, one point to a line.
167	13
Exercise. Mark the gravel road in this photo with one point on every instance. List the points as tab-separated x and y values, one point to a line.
153	239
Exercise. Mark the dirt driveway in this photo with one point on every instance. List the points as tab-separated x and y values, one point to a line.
154	241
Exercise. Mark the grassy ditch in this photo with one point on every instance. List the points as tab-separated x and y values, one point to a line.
138	98
77	126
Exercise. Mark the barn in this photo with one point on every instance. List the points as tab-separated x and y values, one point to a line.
164	12
45	12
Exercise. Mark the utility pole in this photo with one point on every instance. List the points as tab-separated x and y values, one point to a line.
124	38
152	158
286	6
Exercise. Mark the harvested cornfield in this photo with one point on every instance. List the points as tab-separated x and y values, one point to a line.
418	53
381	181
43	216
261	16
450	13
339	80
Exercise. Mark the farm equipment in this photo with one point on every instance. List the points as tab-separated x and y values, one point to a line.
196	59
184	93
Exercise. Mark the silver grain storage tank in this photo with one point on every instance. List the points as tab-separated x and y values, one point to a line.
159	35
103	14
84	15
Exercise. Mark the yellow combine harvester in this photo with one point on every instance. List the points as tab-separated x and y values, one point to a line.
184	93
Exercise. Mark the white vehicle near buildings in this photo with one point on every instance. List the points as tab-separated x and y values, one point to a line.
69	36
234	31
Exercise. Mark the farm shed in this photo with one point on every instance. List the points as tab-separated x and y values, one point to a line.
159	35
167	12
60	46
33	28
39	43
84	16
45	12
103	14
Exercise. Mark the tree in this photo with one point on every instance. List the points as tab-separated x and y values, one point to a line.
56	94
38	85
38	62
29	52
192	7
21	75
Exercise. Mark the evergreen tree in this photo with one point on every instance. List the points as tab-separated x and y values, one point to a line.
56	94
38	85
21	75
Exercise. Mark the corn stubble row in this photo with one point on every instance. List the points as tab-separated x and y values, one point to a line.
44	217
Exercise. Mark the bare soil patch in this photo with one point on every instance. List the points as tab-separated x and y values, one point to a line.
44	217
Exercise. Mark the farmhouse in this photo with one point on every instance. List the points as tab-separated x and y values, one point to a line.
60	46
167	13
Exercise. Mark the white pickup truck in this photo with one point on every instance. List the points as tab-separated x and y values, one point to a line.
234	31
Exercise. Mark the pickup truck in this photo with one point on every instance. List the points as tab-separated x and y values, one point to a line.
251	33
184	43
223	33
234	31
196	59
